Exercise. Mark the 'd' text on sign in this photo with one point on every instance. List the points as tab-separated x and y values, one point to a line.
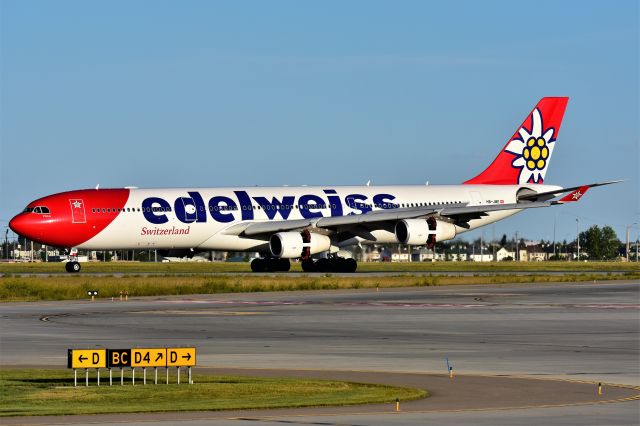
86	358
181	357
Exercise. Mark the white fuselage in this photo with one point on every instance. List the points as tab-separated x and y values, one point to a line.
198	218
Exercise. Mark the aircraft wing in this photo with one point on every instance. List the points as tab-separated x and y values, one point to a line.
379	219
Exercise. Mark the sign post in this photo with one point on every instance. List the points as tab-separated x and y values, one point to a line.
149	357
180	357
118	358
86	358
138	357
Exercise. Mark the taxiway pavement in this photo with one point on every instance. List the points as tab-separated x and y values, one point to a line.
578	331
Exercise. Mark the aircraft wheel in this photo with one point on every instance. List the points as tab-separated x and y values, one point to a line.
280	265
324	265
350	265
72	267
308	266
258	265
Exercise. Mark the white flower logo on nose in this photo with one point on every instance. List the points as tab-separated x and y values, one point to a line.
533	150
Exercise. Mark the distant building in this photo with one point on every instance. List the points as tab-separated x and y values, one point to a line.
482	257
522	255
503	254
400	257
458	257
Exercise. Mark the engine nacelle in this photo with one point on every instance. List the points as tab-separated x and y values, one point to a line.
291	245
420	231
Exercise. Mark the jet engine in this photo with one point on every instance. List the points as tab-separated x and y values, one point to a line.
291	245
420	231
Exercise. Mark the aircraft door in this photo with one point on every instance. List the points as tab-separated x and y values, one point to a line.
476	198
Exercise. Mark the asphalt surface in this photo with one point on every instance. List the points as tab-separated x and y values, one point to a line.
587	332
335	274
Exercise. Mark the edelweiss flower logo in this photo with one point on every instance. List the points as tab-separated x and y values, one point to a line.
533	150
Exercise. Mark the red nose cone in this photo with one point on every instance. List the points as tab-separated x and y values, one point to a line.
28	225
18	225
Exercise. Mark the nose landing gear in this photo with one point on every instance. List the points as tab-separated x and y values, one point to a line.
73	266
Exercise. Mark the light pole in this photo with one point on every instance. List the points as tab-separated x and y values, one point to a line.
493	242
578	238
555	218
627	246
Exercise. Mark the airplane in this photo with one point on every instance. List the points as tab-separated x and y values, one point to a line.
284	223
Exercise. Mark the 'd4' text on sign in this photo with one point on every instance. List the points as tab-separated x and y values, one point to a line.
154	357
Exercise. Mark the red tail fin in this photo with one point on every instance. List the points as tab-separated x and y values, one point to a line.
525	158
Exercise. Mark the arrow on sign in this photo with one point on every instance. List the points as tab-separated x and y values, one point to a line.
187	356
159	357
82	358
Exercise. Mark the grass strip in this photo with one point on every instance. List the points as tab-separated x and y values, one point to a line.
31	392
219	267
75	287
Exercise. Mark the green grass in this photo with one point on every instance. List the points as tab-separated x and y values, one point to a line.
75	286
50	392
217	267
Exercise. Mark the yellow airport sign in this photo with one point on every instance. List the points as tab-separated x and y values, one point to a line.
86	358
181	357
155	357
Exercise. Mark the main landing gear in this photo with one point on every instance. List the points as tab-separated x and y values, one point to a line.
73	266
270	264
330	264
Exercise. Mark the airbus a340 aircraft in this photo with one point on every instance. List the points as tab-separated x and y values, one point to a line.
284	223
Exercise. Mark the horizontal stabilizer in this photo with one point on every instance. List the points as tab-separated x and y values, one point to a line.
550	194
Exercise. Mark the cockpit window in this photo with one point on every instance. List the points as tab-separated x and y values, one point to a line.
37	209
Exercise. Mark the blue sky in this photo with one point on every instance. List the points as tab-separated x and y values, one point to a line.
204	93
